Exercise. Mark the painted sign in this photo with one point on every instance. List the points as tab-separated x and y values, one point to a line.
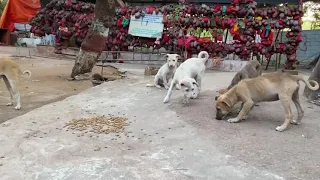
149	26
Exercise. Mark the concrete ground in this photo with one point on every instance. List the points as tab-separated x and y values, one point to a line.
168	141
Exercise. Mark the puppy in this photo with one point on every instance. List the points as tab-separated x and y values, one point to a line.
189	75
166	72
251	70
10	71
269	87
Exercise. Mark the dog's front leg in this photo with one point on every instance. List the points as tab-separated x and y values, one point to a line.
244	111
238	111
167	98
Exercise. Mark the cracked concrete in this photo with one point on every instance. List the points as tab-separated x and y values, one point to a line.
168	141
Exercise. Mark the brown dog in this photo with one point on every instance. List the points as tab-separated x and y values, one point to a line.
251	70
10	72
269	87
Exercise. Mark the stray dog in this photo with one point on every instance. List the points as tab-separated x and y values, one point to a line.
166	72
10	71
268	87
189	75
251	70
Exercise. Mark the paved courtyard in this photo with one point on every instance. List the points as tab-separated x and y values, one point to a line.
168	141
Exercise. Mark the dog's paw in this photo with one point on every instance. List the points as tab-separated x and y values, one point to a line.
294	122
233	120
17	108
10	104
280	128
166	99
257	104
166	87
178	87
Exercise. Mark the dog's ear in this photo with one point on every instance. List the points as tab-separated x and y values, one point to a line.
178	56
216	98
166	56
195	83
184	83
227	101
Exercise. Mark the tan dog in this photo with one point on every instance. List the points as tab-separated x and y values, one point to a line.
268	87
10	72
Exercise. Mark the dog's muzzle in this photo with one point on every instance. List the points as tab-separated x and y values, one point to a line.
219	115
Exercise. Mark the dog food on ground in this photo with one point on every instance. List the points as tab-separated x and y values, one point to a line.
99	124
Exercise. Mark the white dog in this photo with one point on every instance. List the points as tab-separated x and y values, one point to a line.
166	72
189	75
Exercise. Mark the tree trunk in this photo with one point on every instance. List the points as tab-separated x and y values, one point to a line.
315	75
94	43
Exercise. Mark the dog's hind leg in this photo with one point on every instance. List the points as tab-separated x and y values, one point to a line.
16	95
13	80
285	99
6	81
296	101
199	80
156	82
165	82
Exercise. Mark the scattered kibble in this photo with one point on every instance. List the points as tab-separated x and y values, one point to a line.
98	125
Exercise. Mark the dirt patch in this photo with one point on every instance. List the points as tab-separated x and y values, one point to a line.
47	84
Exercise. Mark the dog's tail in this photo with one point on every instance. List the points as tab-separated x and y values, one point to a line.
150	85
25	72
307	82
205	58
